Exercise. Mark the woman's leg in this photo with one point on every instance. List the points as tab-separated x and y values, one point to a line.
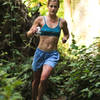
44	75
35	84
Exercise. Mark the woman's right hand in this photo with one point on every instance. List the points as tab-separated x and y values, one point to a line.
34	28
32	31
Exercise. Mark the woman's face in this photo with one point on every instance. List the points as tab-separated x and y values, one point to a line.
53	7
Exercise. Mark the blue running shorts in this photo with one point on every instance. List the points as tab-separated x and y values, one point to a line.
43	57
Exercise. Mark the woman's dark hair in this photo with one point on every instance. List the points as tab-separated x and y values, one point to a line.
54	1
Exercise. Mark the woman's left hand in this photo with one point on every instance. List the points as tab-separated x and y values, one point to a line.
64	40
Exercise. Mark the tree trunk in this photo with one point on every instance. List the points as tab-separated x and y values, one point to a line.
14	23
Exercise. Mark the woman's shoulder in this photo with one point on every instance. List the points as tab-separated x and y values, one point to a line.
63	22
39	18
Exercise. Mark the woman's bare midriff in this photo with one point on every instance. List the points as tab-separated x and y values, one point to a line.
48	43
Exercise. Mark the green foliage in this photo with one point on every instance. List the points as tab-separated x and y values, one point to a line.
15	68
14	78
8	87
13	24
77	75
32	7
85	74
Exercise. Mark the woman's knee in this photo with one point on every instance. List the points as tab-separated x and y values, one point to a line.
43	78
45	72
42	82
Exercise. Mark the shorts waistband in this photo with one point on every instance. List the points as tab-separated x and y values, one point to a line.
47	51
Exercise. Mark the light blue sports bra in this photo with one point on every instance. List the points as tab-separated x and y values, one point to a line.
47	31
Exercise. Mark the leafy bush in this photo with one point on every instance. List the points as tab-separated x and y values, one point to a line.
77	74
84	81
8	87
14	78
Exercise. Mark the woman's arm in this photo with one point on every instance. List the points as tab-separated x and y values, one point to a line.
34	29
65	31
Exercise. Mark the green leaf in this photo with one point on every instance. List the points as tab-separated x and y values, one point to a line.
97	84
16	96
74	46
72	64
90	94
5	3
85	90
83	77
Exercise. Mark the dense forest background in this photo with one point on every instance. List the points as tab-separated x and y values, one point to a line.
77	75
